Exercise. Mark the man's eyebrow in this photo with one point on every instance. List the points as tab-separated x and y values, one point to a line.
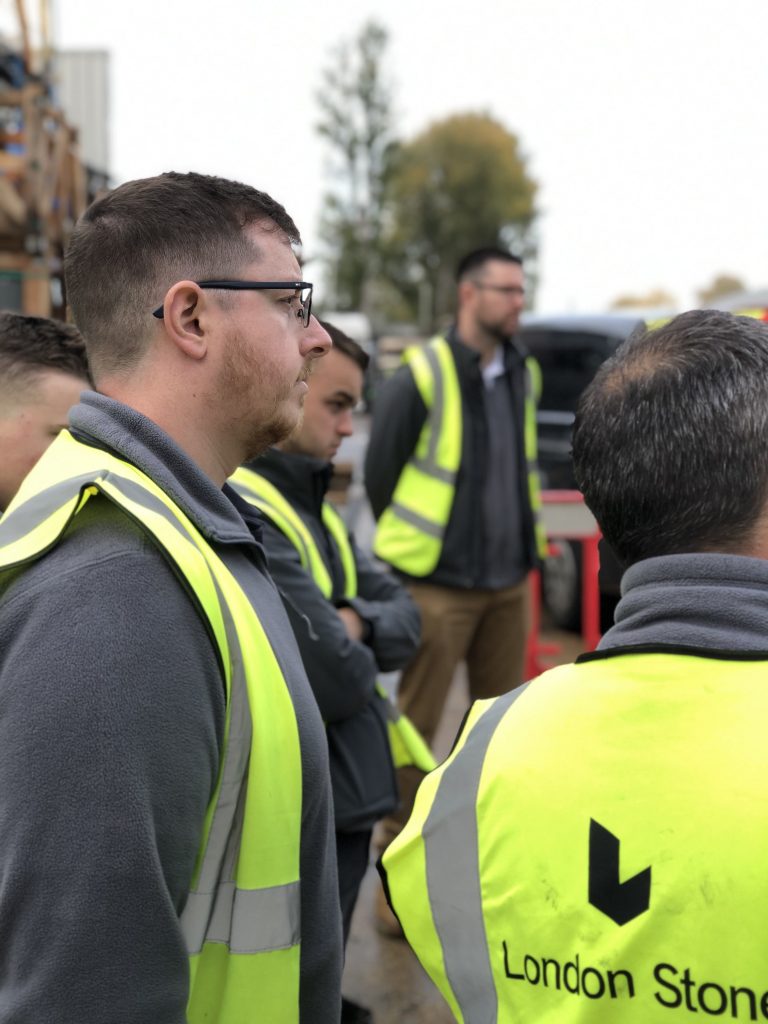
346	396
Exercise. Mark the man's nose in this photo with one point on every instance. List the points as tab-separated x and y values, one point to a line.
315	340
345	426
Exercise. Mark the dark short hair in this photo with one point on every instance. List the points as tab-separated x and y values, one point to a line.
347	345
132	244
29	344
478	258
670	443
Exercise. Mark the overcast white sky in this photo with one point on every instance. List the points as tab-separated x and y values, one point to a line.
644	123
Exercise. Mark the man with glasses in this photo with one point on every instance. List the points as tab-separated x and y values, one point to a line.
451	476
166	829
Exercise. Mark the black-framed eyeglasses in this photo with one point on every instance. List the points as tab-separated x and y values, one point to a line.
505	289
303	290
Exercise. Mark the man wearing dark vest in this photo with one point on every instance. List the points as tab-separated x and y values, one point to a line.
452	479
351	620
594	848
166	830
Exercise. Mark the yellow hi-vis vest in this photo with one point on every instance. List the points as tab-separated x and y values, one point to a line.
406	743
595	848
410	532
241	919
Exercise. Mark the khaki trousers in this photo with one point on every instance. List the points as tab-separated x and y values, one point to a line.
488	629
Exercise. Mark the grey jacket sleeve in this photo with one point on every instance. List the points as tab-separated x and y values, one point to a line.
385	604
398	418
111	717
342	672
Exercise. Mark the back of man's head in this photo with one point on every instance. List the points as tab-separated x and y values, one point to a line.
43	369
670	444
131	245
473	263
30	345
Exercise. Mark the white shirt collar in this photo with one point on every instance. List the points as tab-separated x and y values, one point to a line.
495	368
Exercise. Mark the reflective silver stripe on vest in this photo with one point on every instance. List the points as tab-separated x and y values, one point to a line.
429	465
201	919
438	403
247	920
391	710
453	871
409	516
31	514
446	476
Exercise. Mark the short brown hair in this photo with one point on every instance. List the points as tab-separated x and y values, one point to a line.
131	245
347	345
29	344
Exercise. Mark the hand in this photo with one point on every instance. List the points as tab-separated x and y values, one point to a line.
352	623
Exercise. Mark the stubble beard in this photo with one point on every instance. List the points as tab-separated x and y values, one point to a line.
498	331
268	434
277	423
242	378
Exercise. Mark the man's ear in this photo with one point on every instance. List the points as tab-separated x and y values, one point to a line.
184	311
465	291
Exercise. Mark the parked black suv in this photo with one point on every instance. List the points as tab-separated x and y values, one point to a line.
569	350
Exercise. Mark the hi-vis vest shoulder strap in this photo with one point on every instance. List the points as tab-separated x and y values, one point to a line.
241	919
410	532
614	841
256	489
406	743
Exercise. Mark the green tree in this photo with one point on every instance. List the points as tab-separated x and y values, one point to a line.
461	184
356	121
656	298
720	286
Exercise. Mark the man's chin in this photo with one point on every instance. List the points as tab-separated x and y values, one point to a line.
269	434
501	331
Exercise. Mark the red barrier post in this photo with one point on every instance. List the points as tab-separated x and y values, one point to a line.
590	592
566	517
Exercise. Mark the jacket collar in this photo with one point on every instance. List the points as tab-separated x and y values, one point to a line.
303	479
710	601
105	423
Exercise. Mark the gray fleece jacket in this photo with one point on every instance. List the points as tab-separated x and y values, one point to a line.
111	723
709	602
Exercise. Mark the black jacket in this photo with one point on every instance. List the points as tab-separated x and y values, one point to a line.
397	423
342	672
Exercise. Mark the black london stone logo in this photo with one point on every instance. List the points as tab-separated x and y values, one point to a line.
621	901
